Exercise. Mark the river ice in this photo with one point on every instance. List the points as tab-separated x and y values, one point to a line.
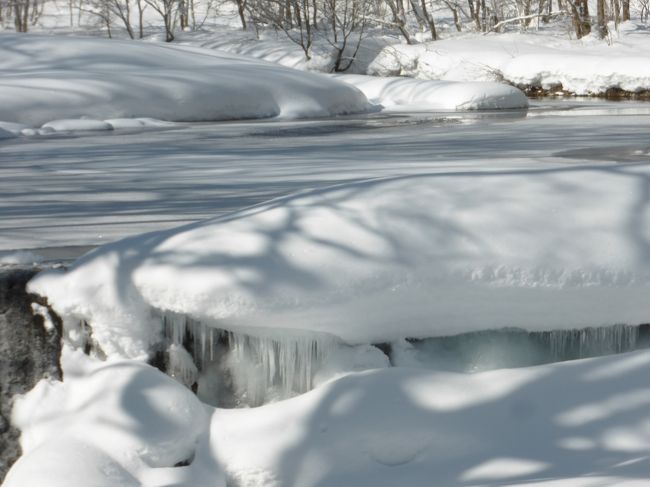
88	189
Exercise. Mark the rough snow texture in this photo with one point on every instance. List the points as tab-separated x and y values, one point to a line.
54	78
369	262
412	94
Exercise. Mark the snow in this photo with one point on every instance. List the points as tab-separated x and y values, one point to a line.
546	58
411	94
115	423
19	257
581	67
488	229
43	312
580	423
77	124
369	262
400	426
58	78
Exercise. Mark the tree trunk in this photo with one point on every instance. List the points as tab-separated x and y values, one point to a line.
429	19
241	9
141	8
581	21
602	20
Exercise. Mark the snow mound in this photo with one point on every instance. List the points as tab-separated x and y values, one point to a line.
400	426
6	134
114	423
53	78
130	123
380	260
412	94
83	124
10	130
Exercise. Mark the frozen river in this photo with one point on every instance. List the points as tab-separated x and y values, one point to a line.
68	192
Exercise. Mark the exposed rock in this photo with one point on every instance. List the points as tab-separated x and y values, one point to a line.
30	348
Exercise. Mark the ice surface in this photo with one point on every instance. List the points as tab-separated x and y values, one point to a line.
19	257
411	94
488	350
51	78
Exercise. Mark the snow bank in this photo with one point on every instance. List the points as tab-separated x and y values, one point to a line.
580	423
583	67
544	59
51	78
77	124
116	423
411	94
6	134
380	260
127	424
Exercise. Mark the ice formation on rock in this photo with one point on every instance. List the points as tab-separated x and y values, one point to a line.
256	368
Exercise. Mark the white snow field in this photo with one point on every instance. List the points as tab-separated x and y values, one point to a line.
51	79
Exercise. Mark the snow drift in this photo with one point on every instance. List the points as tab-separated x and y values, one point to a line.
381	260
412	94
581	423
49	78
122	423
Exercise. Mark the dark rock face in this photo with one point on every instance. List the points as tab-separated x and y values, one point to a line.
28	352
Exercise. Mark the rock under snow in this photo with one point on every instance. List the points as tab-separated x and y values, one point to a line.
383	259
107	424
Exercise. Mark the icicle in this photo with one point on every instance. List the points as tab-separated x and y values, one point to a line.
258	369
180	366
591	342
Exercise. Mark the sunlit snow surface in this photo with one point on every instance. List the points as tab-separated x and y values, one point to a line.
45	79
426	95
582	423
544	57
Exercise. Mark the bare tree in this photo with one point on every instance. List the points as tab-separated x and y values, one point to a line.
601	18
168	11
399	18
347	23
281	14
